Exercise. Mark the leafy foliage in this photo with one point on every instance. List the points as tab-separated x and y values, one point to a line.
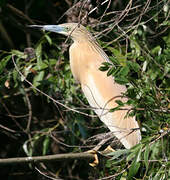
42	108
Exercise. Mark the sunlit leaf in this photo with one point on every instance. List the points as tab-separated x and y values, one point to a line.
118	56
38	78
18	53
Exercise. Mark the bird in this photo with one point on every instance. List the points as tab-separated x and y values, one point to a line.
101	91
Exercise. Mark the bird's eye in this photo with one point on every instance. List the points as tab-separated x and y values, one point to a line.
67	29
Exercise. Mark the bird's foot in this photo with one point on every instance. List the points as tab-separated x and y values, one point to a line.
96	159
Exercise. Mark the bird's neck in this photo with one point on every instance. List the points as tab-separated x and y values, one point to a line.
83	38
90	45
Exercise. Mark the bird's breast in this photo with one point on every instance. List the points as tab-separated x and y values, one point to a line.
83	59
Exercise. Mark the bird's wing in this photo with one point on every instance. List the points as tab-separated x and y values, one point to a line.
101	92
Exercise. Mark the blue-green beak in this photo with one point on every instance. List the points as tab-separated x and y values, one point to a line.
51	28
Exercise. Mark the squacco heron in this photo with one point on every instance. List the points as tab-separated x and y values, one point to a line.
101	91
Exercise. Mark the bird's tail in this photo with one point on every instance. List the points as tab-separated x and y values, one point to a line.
124	127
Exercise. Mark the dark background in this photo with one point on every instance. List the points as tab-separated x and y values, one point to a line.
29	119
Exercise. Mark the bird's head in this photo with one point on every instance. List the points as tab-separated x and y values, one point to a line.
74	30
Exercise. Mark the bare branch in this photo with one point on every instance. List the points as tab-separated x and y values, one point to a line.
56	157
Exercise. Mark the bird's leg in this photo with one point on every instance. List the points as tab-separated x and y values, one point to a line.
96	159
94	151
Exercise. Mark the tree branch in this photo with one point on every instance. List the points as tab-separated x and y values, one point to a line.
20	13
57	157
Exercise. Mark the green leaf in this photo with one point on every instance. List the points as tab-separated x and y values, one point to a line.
40	66
28	151
38	78
138	157
48	39
124	71
38	52
145	64
124	176
157	50
4	62
133	65
133	169
167	39
136	151
26	72
119	102
82	130
119	56
106	64
118	153
146	155
135	46
133	153
111	71
103	68
114	109
117	161
121	80
114	59
46	143
18	53
15	75
52	61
